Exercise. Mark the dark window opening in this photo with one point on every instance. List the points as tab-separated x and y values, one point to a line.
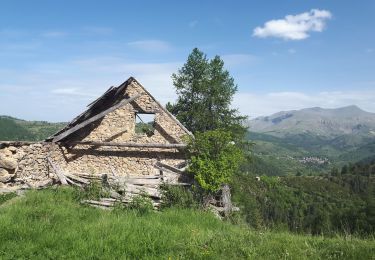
145	123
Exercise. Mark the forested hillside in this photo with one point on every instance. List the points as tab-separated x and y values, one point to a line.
13	129
312	140
338	202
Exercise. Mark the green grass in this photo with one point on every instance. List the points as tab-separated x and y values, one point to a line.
6	196
51	224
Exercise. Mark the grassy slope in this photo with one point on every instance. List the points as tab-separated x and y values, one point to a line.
13	129
51	224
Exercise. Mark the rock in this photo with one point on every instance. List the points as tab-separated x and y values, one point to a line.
3	172
12	149
6	177
41	184
8	163
6	152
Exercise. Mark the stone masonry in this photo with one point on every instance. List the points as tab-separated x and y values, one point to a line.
27	165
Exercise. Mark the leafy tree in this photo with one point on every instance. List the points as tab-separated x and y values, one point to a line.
205	92
335	172
214	158
344	170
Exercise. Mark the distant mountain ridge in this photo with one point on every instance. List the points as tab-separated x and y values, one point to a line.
319	121
14	129
296	141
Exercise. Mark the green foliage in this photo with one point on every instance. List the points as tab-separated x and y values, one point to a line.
316	205
92	191
214	158
145	128
205	91
141	203
282	155
178	197
51	224
12	129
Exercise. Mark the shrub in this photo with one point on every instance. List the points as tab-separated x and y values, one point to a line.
141	203
92	191
214	158
179	197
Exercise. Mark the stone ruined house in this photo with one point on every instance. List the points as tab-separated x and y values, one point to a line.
104	139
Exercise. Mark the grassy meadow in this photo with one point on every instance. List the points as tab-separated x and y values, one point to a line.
51	224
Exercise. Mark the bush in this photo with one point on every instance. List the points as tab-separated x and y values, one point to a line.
214	158
179	197
92	191
141	203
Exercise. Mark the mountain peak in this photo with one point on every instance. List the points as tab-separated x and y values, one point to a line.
317	120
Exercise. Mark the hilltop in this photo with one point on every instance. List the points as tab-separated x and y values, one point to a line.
318	121
312	140
14	129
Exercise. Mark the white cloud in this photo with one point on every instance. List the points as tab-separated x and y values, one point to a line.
60	91
266	104
151	45
294	27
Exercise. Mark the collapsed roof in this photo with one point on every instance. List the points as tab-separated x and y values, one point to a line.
112	99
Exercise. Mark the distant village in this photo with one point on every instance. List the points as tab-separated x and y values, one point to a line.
314	160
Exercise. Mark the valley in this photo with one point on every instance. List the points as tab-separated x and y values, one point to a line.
312	140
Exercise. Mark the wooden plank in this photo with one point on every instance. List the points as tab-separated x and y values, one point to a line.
152	192
143	181
139	182
98	203
73	182
76	178
59	174
94	118
160	165
99	176
138	145
226	199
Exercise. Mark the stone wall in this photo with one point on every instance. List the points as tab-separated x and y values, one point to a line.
24	165
119	126
27	164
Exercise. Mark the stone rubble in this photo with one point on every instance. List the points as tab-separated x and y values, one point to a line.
27	165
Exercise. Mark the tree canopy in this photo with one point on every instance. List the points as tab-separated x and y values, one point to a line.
213	158
205	92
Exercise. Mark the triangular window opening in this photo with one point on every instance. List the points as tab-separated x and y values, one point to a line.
145	123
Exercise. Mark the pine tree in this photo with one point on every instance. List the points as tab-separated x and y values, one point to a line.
205	92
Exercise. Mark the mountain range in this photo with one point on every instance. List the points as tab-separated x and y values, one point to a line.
306	141
318	121
313	139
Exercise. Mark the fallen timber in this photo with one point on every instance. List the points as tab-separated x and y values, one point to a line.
137	145
121	189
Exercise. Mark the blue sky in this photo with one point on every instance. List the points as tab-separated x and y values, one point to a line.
57	56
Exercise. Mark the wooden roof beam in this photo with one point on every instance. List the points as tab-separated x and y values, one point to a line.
94	118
